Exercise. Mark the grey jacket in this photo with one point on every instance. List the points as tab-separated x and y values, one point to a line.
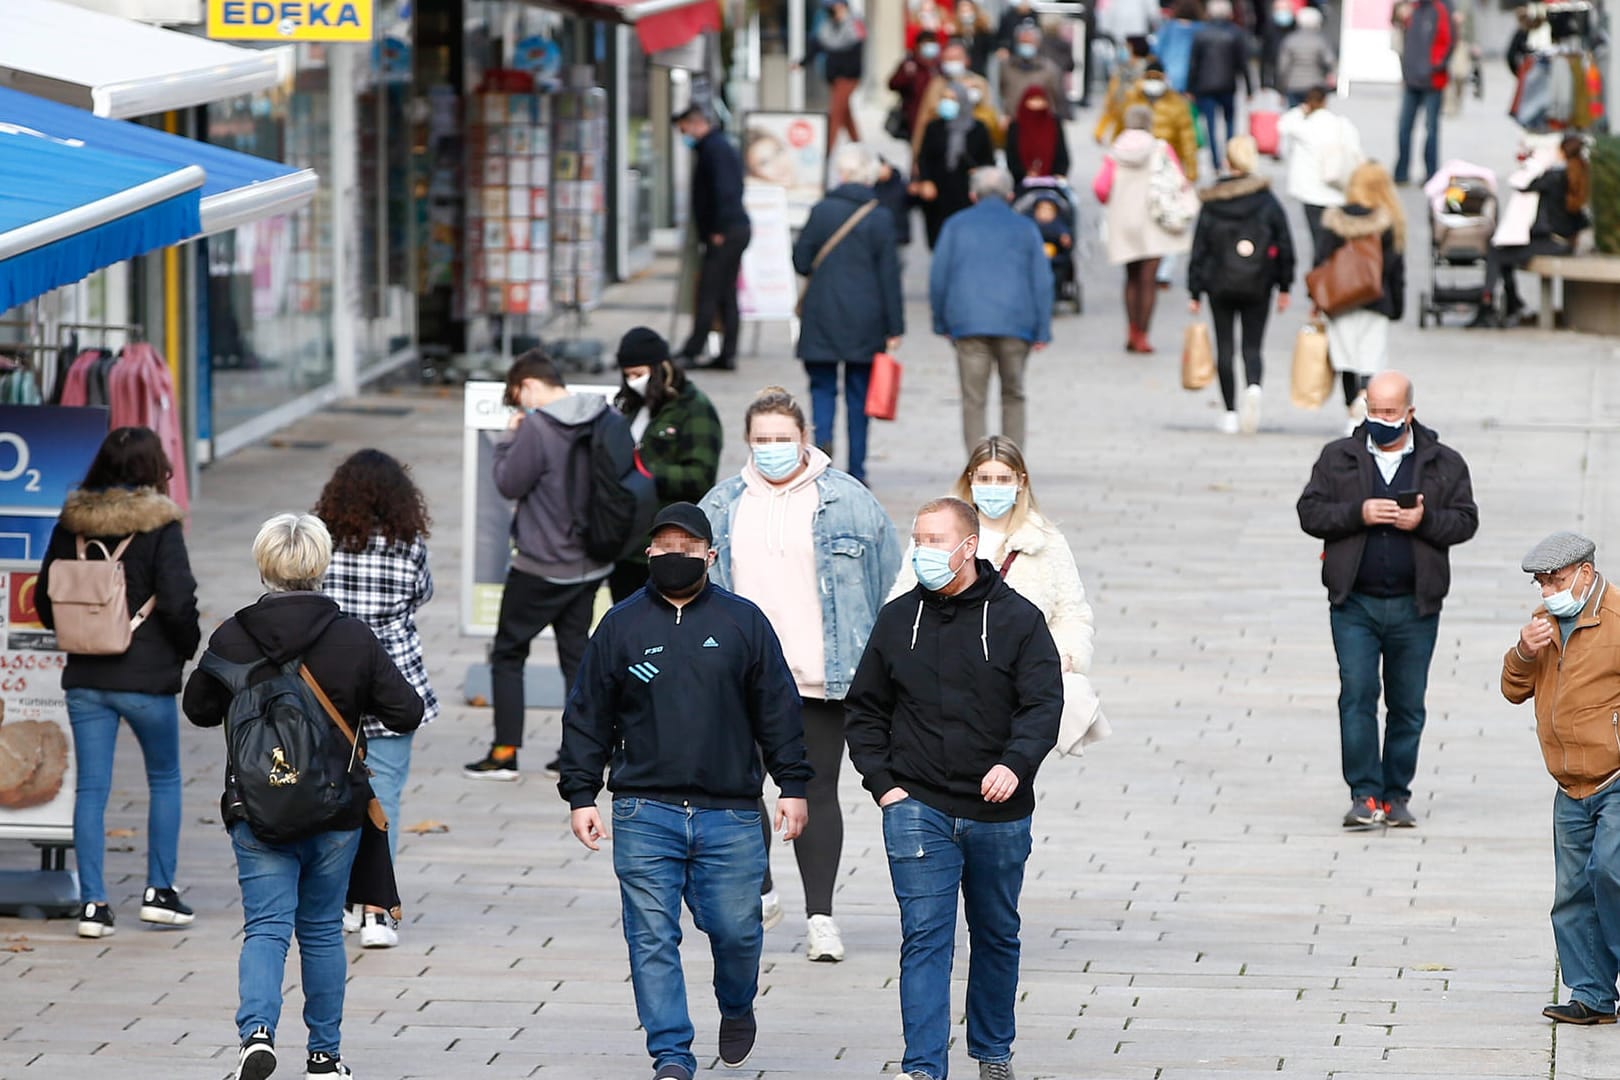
534	465
1304	60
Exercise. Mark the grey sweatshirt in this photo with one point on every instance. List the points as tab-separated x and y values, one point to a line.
532	466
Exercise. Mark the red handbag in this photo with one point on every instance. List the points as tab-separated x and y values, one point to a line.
883	392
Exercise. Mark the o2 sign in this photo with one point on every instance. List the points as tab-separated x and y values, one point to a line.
11	440
45	451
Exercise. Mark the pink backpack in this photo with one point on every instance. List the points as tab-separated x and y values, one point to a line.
90	601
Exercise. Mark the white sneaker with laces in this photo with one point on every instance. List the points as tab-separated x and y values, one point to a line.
822	940
1249	419
1228	423
351	919
377	931
770	908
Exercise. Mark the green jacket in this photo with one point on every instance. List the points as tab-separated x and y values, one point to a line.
681	446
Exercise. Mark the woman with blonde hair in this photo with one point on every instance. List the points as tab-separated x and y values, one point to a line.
1358	340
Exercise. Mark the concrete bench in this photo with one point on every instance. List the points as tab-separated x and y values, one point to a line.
1591	291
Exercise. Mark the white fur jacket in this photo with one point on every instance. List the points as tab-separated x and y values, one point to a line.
1044	574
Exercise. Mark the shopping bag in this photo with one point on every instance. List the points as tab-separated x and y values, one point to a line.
1264	116
883	391
1351	278
1312	382
1083	722
1197	358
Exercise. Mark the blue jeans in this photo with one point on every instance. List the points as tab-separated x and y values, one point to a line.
1410	101
287	887
1586	897
932	856
1224	106
715	860
824	407
389	758
1365	630
155	721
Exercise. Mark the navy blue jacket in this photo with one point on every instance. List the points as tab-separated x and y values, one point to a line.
852	305
717	186
990	276
679	704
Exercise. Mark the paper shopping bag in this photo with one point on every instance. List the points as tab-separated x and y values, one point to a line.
1312	381
1197	358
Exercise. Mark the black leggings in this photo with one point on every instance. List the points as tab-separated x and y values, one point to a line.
1354	386
1253	314
821	845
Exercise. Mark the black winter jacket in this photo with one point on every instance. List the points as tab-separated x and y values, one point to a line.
1220	58
1350	221
1554	219
852	304
679	705
717	186
1241	207
154	562
1330	510
342	653
949	688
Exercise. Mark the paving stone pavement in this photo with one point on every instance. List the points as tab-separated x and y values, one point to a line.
1193	908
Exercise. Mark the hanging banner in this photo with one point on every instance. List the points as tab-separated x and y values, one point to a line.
290	20
767	288
789	150
1367	44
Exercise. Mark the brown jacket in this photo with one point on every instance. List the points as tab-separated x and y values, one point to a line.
1576	685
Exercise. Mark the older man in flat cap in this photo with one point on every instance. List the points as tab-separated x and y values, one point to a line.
1565	659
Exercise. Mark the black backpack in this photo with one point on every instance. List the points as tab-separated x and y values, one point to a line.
1240	257
623	500
282	774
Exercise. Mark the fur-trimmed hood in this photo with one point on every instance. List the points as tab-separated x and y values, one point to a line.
118	511
1235	187
1351	222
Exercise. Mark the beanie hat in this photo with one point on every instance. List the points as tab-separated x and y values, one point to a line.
642	347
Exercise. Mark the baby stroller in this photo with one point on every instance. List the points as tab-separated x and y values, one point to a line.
1462	219
1051	198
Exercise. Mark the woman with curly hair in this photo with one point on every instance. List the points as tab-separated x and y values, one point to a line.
379	574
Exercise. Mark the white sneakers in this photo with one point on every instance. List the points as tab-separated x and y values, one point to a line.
1228	423
377	931
1249	418
822	940
351	919
770	909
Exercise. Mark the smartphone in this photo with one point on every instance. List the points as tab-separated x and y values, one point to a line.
1407	500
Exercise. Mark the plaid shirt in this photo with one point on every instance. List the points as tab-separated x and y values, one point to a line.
383	586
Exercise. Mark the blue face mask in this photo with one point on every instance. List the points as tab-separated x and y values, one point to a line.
1383	432
928	50
777	460
1026	49
933	566
1282	18
690	141
995	501
1564	605
949	109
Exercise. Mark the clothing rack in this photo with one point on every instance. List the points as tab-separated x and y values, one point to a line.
135	331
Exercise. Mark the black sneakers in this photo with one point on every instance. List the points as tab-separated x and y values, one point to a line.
1397	815
672	1072
323	1066
553	768
995	1070
737	1039
96	921
258	1057
490	769
1575	1012
164	907
1364	813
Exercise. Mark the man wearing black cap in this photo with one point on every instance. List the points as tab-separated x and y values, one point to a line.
683	691
723	231
1564	658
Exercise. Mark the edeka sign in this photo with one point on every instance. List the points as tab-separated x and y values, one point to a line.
290	20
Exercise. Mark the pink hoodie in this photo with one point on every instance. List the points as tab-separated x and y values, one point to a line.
773	563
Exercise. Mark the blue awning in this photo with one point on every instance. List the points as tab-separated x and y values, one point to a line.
78	193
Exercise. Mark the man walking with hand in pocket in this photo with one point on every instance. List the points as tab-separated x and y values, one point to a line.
955	704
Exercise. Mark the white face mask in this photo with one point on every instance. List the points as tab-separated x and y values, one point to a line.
638	385
952	69
1154	87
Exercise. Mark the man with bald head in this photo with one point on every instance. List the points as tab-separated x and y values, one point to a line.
1388	502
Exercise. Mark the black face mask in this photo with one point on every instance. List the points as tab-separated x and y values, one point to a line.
677	576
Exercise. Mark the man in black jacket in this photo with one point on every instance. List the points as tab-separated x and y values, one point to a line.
683	690
954	705
1388	502
1220	57
723	232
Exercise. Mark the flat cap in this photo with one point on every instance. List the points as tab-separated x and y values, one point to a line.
687	518
1559	550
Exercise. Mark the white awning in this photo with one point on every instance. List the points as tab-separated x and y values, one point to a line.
117	68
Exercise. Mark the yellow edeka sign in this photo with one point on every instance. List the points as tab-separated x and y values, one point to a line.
290	20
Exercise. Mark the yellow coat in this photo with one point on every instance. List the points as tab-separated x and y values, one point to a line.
1172	122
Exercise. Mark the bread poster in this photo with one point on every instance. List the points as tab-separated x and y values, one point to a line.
36	741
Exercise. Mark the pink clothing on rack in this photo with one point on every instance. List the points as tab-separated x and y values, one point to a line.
142	395
75	391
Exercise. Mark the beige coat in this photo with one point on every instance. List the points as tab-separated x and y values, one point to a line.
1123	187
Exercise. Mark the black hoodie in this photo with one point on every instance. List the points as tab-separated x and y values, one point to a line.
1237	209
949	688
340	651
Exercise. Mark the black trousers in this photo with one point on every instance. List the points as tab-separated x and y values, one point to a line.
820	847
627	577
1253	313
717	295
529	604
1313	223
1501	262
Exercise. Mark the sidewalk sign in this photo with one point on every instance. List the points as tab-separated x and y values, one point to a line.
788	150
1367	44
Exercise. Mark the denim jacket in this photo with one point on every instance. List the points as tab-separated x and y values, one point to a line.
857	557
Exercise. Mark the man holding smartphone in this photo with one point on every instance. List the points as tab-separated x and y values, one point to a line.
1564	658
1388	502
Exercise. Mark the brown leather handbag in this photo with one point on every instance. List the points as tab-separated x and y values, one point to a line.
1351	278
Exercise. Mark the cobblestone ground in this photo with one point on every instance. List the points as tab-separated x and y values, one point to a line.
1193	908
